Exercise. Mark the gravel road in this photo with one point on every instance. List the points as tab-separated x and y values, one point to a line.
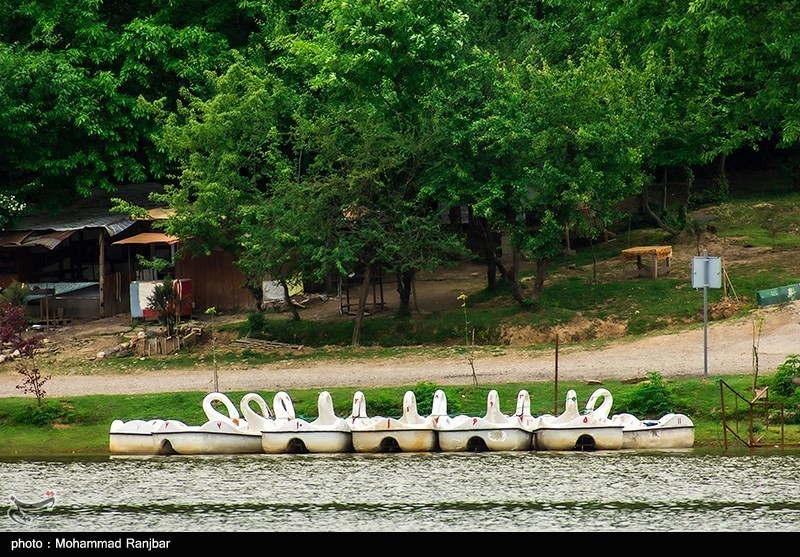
730	352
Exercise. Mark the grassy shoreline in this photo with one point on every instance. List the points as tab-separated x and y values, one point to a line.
79	425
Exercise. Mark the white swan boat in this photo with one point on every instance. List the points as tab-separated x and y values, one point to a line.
328	433
493	432
221	434
573	431
671	431
134	437
409	433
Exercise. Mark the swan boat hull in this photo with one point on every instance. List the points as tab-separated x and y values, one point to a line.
578	438
133	438
659	438
494	439
130	443
279	442
207	442
394	440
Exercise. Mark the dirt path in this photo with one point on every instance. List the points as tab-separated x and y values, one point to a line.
730	351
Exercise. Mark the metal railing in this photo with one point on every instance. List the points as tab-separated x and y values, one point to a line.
757	412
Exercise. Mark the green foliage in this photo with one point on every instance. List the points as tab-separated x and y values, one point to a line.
649	400
719	192
44	415
424	392
256	323
15	294
165	302
385	404
782	380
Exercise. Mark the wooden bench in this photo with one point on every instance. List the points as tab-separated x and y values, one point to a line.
655	253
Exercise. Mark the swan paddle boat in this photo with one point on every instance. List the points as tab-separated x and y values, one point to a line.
671	431
572	430
134	437
493	432
326	434
221	434
410	433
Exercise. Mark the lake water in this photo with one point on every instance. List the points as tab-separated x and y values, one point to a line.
690	490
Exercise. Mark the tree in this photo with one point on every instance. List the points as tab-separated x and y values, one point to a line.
72	118
379	72
12	330
557	140
234	150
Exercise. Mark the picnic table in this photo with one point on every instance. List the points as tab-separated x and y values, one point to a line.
654	253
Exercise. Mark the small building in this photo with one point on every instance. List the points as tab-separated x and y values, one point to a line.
80	263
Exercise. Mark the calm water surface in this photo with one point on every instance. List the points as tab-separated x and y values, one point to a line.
669	491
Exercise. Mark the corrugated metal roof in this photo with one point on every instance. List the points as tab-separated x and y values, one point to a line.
93	212
13	239
24	239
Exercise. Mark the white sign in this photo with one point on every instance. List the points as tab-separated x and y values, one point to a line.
706	272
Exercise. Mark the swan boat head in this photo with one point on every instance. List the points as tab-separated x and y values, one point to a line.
410	412
255	421
326	415
601	413
215	415
493	413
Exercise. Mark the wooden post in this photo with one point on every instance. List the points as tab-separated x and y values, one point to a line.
724	280
555	383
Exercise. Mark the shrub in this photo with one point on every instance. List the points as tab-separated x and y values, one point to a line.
165	302
782	380
15	294
649	400
424	393
256	322
43	415
382	404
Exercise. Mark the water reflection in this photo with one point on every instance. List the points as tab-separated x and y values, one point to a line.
684	490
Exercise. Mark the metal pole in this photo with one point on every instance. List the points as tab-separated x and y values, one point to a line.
705	314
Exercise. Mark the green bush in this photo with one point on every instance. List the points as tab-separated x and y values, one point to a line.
782	380
382	404
15	293
43	415
649	400
256	322
424	393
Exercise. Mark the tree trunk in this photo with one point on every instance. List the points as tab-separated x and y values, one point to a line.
721	160
362	302
541	273
512	278
490	245
405	283
288	299
649	212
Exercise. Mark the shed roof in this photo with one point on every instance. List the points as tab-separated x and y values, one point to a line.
92	212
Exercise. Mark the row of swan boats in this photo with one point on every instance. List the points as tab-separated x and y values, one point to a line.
280	431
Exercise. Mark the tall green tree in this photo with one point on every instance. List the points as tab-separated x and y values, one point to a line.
560	145
380	71
74	76
233	148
